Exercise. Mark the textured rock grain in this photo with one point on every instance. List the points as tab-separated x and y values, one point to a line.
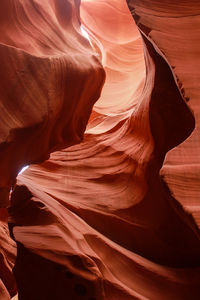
114	217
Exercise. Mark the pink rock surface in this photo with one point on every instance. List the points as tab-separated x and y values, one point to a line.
8	253
174	28
52	79
114	216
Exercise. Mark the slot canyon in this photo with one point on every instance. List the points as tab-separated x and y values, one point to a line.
99	150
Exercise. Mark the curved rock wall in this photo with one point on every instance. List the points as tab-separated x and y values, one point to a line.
115	216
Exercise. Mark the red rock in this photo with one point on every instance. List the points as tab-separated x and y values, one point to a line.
52	79
114	217
7	260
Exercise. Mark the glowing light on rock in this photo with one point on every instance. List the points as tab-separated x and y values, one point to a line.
23	169
85	34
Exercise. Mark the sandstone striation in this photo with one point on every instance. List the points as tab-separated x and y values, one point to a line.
109	208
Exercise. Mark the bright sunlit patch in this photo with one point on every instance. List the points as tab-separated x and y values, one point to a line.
85	34
23	169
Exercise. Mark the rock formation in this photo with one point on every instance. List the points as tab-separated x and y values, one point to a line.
109	208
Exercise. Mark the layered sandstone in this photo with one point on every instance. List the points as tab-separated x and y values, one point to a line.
114	216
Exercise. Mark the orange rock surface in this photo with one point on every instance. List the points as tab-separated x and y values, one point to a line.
109	208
